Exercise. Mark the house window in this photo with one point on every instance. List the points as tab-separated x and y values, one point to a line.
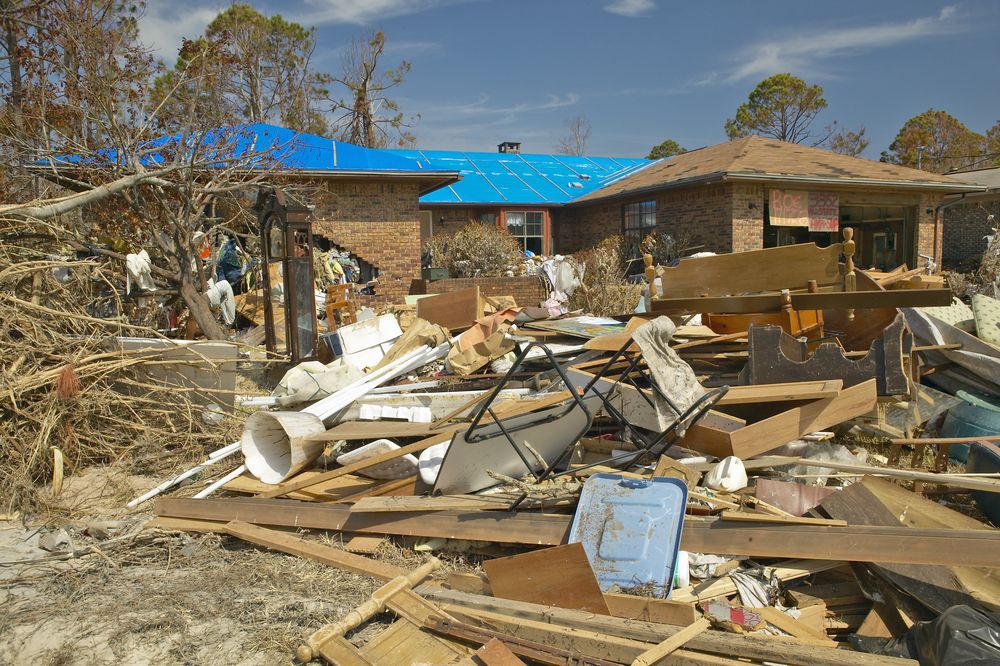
639	218
528	228
488	218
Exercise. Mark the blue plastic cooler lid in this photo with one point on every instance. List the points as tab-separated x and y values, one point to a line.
631	529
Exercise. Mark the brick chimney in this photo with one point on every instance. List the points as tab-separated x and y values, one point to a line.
509	147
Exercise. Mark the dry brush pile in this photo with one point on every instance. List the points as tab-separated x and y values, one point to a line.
67	391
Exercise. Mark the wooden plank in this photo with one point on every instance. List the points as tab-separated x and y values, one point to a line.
857	543
654	654
339	487
770	433
748	517
936	587
310	482
789	391
293	545
787	267
790	625
495	653
426	503
559	576
509	614
665	611
455	310
396	488
536	652
525	528
364	543
856	300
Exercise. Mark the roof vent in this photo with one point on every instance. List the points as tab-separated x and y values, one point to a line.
584	176
509	147
575	184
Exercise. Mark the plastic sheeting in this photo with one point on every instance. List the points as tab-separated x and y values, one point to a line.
961	636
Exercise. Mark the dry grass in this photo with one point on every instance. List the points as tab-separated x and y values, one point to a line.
604	289
66	384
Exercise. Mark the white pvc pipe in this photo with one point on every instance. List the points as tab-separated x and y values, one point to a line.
213	458
276	445
221	482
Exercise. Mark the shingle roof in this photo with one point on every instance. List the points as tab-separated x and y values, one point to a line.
759	158
515	178
987	177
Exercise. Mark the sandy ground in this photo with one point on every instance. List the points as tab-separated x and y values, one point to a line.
153	597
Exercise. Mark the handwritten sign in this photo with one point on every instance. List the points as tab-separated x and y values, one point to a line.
789	208
824	212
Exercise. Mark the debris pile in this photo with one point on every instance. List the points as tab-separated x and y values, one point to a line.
720	479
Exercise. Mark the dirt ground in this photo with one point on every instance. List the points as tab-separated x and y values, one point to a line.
129	596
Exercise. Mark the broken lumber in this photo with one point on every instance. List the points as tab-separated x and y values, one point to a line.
294	545
854	543
316	642
655	654
625	640
560	576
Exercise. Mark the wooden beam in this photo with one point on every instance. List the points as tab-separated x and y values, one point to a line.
855	543
510	614
294	545
842	300
523	528
787	392
655	654
747	517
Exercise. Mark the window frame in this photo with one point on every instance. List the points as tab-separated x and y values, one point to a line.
542	234
644	211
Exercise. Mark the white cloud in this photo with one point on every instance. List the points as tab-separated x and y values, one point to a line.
165	23
803	53
481	107
630	8
362	12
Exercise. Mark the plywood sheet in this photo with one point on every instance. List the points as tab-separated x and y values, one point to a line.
559	576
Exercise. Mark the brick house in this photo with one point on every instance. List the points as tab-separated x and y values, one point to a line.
970	217
720	199
523	193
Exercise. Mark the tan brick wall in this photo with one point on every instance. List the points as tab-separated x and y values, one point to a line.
696	216
965	225
448	219
380	223
748	216
528	290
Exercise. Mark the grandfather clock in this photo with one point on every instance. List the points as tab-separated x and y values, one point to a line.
287	272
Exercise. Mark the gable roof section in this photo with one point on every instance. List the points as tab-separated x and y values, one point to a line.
515	178
757	158
989	178
269	146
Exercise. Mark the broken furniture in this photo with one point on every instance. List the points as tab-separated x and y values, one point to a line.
792	277
286	249
775	357
340	305
543	441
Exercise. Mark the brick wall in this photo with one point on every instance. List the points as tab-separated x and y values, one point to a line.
965	225
748	216
930	236
378	220
446	220
527	290
697	216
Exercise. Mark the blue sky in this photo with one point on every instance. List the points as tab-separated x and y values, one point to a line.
640	71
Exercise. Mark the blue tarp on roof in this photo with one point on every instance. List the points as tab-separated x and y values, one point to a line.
265	145
514	178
